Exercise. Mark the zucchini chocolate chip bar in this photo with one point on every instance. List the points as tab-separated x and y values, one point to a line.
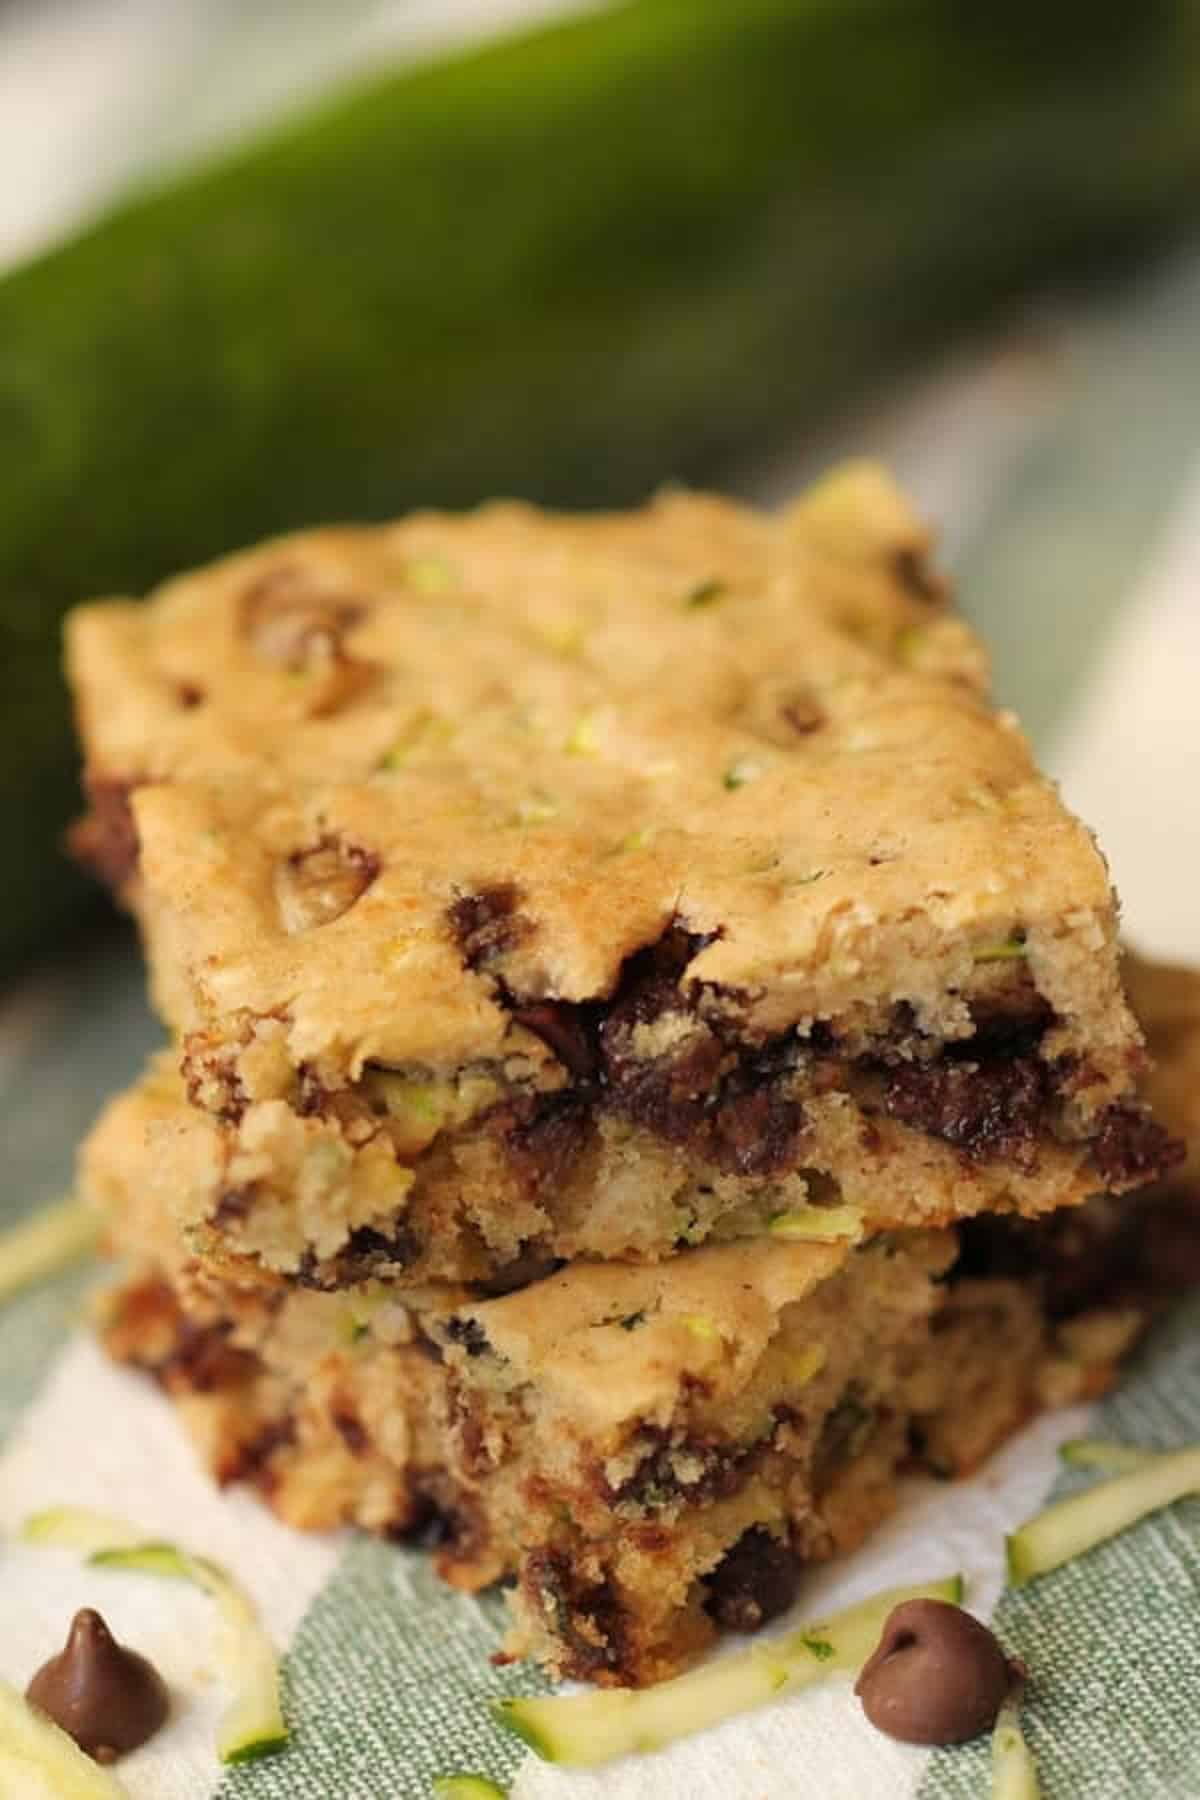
650	1452
525	887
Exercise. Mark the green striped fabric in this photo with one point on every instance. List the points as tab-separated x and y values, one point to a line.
389	1680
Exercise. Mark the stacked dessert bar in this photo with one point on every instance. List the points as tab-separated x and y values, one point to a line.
639	1022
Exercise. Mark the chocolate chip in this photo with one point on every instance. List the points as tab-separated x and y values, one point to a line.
350	1429
1011	1020
650	979
367	1253
291	621
295	622
233	1206
668	1095
732	1105
800	711
524	1269
203	1361
987	1108
937	1676
915	576
562	1028
254	1458
366	1248
755	1581
756	1130
585	1616
781	712
440	1516
427	1525
742	1118
698	1469
108	1698
1131	1147
546	1136
105	840
317	885
470	1334
487	924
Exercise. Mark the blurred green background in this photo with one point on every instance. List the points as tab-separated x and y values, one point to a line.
325	262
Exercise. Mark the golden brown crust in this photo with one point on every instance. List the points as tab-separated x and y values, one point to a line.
598	712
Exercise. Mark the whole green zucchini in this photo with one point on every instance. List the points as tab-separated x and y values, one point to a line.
569	265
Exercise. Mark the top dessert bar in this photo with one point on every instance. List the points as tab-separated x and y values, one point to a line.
523	884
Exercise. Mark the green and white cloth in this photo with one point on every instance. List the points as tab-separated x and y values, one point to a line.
1066	464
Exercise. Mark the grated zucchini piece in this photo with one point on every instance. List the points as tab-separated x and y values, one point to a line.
253	1724
1070	1527
1014	1773
42	1245
38	1758
583	1729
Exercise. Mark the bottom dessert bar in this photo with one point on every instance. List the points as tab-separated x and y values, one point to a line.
650	1454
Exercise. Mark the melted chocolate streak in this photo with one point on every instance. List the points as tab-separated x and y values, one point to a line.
738	1120
729	1101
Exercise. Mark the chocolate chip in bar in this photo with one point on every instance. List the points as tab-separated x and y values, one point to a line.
563	1029
105	839
106	1697
289	619
1131	1147
755	1581
991	1107
316	885
487	924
